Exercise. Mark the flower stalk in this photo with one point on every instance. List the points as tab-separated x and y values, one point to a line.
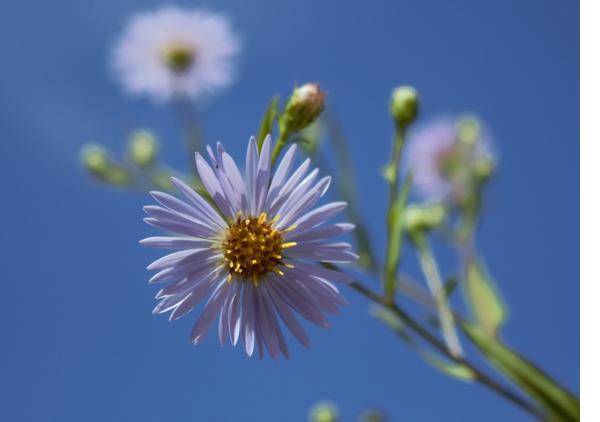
404	108
480	376
397	202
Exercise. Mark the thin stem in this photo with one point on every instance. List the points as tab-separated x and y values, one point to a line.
348	189
281	142
192	130
436	287
391	260
426	335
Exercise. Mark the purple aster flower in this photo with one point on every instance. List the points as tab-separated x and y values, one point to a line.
442	164
254	252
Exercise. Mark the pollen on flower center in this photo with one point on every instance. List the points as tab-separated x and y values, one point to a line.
253	247
179	57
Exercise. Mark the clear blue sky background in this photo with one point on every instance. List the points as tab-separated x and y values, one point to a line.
78	340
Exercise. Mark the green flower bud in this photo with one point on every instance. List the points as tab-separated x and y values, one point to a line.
404	105
419	219
96	160
143	148
304	106
483	168
324	412
468	131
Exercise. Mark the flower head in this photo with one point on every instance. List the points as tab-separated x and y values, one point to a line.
176	52
304	106
404	105
254	249
444	158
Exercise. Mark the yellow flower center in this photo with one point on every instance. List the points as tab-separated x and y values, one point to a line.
179	57
253	247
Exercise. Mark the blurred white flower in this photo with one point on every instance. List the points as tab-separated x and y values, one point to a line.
448	157
175	52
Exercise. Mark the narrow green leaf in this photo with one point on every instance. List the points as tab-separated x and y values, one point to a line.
266	125
452	369
559	402
487	307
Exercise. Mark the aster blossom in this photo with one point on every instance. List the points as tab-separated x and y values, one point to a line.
443	157
174	52
254	251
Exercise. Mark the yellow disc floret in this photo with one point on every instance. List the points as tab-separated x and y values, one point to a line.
253	247
179	57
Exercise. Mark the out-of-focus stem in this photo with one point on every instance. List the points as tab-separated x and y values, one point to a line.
192	131
348	191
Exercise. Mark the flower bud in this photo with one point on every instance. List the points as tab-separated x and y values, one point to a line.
96	160
304	106
143	148
483	168
404	105
324	412
419	219
468	131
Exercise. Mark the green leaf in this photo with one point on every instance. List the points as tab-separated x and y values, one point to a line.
487	307
453	369
266	125
559	402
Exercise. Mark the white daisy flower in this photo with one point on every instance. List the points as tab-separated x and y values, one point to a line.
174	52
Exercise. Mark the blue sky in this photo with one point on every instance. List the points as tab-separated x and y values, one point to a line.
79	340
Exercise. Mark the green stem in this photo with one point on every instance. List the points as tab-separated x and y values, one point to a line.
192	130
281	142
436	287
439	345
392	258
